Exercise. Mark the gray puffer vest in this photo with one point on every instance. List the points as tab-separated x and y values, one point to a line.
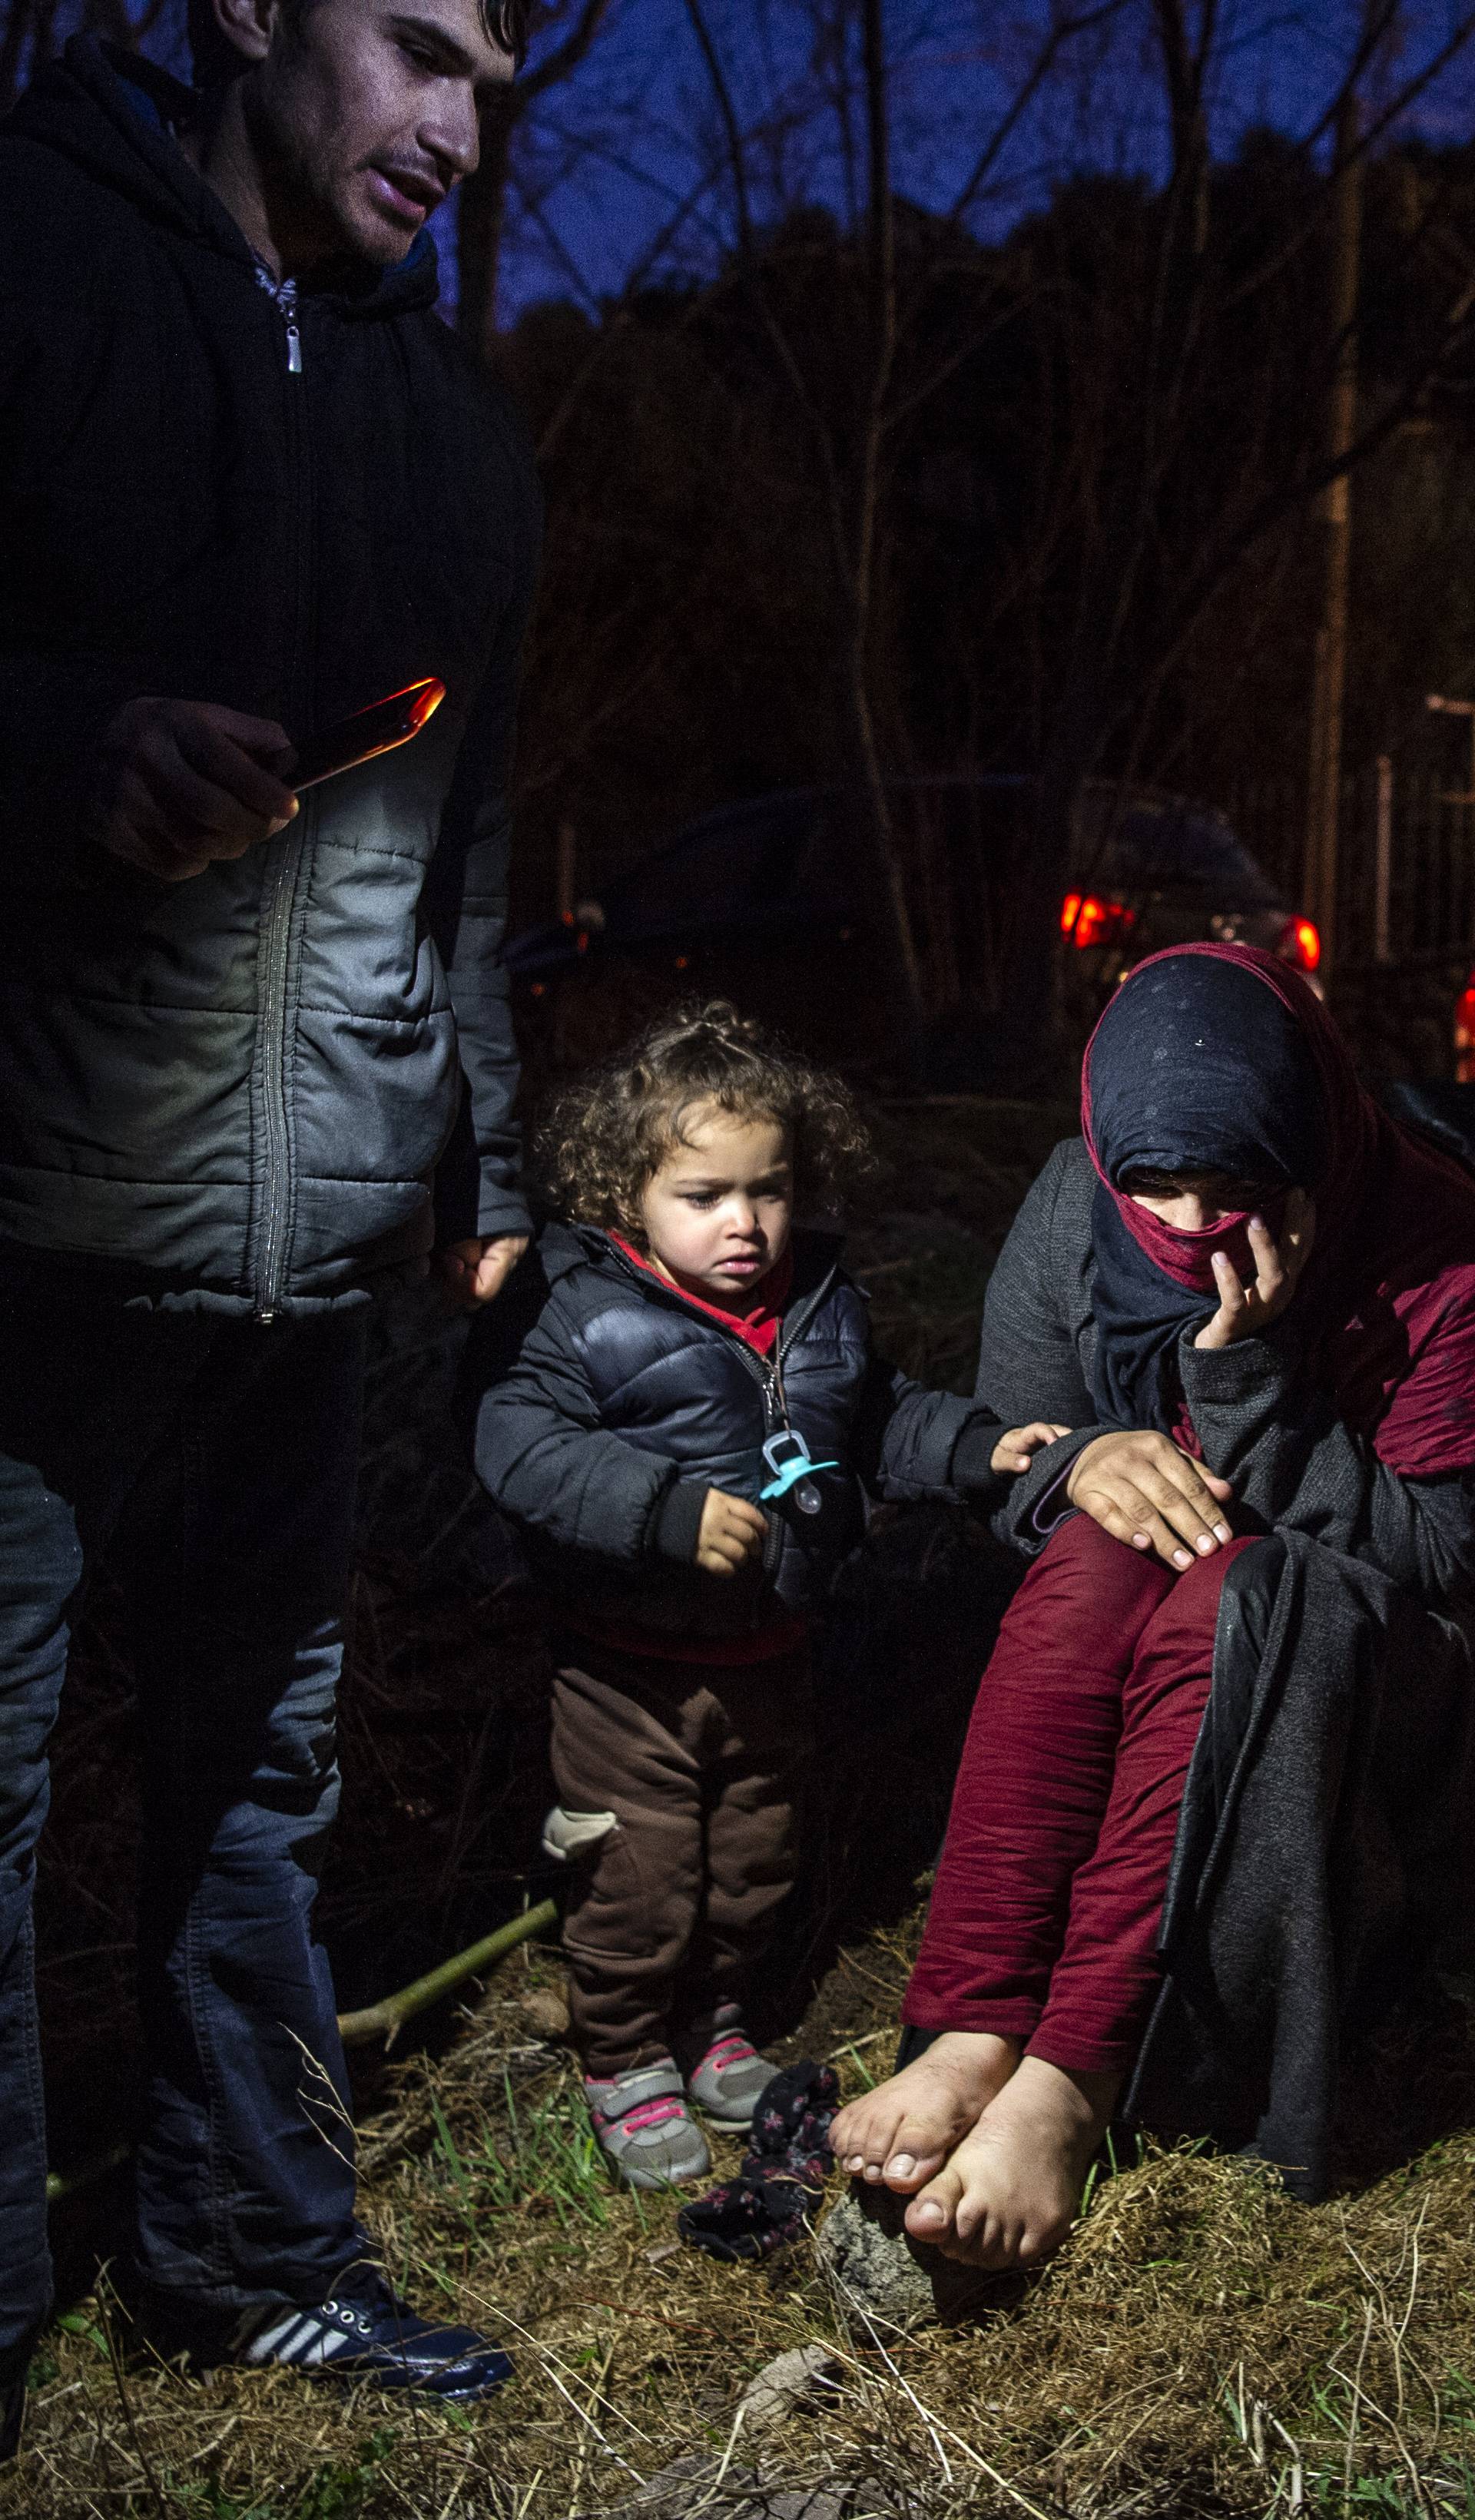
234	1092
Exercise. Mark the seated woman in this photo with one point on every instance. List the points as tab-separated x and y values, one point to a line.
1217	1793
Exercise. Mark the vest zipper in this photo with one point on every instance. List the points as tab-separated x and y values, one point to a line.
282	888
286	854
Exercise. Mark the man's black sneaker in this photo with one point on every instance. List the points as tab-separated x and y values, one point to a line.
364	2332
12	2417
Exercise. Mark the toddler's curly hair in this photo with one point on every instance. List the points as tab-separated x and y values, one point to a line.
609	1133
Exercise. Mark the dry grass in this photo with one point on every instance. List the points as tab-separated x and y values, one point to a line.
1202	2346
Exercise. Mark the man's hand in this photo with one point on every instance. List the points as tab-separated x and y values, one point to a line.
1141	1489
731	1531
474	1272
181	783
1246	1311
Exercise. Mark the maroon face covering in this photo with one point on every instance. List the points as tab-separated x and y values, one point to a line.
1186	1254
1386	1304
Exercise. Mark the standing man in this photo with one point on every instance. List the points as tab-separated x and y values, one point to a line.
249	484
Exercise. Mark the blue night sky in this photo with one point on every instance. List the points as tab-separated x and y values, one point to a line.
629	150
620	172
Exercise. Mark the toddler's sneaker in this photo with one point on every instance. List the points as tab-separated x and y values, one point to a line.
644	2127
729	2078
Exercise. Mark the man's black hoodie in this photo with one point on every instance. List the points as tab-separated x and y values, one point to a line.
236	1089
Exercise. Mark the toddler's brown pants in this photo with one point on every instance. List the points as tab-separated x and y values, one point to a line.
670	1915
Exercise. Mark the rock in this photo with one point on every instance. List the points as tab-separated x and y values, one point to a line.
792	2380
882	2274
797	2502
690	2484
545	2012
669	2492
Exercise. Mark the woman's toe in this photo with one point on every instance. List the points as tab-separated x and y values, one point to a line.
921	2144
879	2144
906	2172
986	2245
854	2140
931	2214
862	2153
845	2136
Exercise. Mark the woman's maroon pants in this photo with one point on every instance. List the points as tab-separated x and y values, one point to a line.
1043	1922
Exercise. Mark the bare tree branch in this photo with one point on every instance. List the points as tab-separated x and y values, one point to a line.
482	208
1062	32
565	57
737	152
13	45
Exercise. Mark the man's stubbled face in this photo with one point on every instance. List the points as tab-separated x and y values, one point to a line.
365	115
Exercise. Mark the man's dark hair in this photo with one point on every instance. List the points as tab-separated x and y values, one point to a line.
214	58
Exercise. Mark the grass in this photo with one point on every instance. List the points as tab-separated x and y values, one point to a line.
1203	2348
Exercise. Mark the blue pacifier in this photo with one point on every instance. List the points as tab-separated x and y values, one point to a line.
788	1456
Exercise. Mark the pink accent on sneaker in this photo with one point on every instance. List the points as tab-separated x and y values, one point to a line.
644	2128
731	2049
651	2113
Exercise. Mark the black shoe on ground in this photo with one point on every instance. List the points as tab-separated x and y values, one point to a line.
12	2417
364	2332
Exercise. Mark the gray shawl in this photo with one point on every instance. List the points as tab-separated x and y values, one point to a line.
1322	1848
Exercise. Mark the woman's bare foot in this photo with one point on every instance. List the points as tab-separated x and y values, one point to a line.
904	2131
1012	2187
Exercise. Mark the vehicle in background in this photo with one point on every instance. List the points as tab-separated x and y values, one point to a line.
766	902
1464	1033
1150	870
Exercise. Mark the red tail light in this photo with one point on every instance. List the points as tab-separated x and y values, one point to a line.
1087	922
1301	943
1464	1034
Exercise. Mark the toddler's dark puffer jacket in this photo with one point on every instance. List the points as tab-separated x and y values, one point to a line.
605	1406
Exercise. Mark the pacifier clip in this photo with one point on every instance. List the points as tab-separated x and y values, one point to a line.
788	1456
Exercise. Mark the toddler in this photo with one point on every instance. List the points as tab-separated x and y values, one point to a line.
682	1408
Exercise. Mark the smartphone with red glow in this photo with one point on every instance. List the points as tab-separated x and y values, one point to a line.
381	728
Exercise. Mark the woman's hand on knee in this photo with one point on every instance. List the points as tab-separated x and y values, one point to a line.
1141	1489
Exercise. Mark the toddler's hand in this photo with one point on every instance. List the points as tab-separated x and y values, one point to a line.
1017	1447
731	1531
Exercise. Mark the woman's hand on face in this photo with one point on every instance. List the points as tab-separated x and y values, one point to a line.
1141	1489
1246	1311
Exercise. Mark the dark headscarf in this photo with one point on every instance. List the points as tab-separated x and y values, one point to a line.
1196	1067
1220	1058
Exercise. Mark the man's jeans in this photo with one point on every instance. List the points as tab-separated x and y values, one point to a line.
214	1460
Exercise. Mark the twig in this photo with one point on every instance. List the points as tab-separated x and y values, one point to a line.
386	2018
62	2184
934	2423
849	2046
1356	2406
139	2451
595	2393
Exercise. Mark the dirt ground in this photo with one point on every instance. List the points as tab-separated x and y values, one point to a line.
1203	2346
